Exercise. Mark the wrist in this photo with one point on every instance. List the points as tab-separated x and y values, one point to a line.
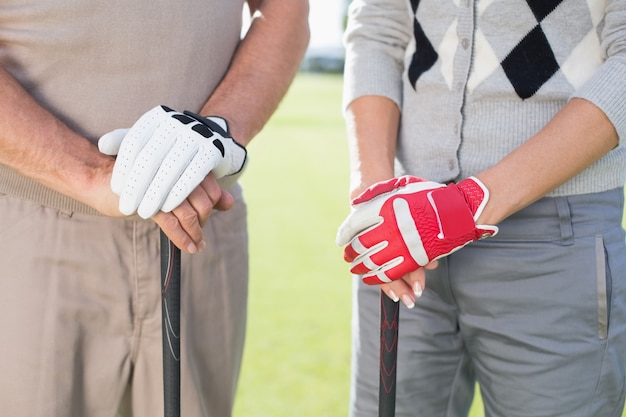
94	187
503	201
477	197
360	182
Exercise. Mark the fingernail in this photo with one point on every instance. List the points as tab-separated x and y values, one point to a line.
393	296
407	301
417	289
202	246
192	248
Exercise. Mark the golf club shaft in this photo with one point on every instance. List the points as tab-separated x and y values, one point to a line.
389	315
170	304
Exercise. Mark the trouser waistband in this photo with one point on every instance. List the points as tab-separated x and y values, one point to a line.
565	218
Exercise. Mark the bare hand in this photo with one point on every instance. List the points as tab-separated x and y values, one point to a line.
183	225
410	287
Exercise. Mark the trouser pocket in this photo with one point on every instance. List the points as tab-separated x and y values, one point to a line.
603	288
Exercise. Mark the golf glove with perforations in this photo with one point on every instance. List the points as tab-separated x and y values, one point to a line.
400	225
165	155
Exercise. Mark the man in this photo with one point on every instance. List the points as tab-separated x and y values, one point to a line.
82	292
487	174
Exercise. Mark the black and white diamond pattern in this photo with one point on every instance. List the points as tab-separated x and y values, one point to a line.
527	62
542	8
530	64
425	55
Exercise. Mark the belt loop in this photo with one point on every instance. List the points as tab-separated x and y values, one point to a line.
565	220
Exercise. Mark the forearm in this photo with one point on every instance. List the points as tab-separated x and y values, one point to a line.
263	67
372	129
577	136
38	145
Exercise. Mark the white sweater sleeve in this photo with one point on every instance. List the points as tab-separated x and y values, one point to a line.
376	39
606	88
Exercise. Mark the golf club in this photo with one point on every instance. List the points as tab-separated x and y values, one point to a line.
170	305
389	312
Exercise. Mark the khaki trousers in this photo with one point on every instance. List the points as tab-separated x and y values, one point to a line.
80	314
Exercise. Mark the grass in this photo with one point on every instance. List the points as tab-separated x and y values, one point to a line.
297	355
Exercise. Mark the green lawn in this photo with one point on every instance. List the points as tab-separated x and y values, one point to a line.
297	356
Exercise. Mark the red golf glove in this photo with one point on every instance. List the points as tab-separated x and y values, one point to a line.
400	225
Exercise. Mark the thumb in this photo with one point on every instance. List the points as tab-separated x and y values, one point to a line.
109	143
361	218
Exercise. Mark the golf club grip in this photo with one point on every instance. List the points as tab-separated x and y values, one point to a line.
389	314
170	306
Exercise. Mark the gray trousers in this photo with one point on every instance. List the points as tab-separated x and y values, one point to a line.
535	315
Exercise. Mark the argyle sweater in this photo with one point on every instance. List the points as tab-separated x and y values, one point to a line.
474	79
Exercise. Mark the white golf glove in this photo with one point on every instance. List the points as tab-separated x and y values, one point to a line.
165	155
